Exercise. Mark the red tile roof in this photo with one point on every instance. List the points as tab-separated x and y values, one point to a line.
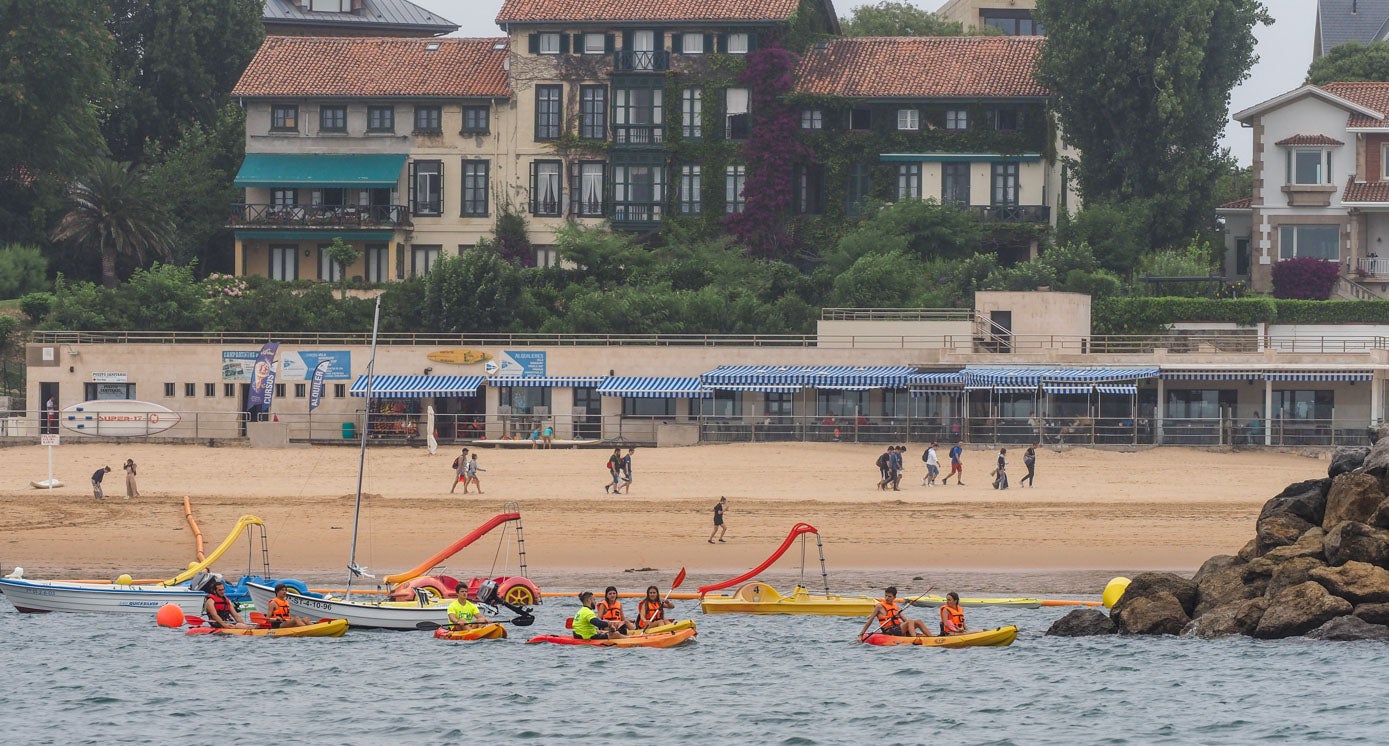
294	66
1239	204
1309	140
1359	191
923	67
549	11
1369	95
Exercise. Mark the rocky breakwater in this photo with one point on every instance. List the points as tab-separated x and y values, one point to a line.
1318	566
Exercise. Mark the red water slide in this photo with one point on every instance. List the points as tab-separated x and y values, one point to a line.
796	530
453	548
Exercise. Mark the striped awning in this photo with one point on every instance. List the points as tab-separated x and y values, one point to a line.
1212	374
417	387
1015	389
1035	376
1117	389
1320	375
637	387
814	376
764	388
946	378
544	381
1067	389
936	391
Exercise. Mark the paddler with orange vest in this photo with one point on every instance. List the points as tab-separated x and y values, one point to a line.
221	612
651	611
279	615
587	625
952	617
888	616
610	611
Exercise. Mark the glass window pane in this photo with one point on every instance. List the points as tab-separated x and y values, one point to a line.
1308	166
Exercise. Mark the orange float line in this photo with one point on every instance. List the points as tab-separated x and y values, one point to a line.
197	535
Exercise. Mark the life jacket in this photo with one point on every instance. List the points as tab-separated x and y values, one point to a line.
891	615
279	608
650	612
612	612
223	607
951	620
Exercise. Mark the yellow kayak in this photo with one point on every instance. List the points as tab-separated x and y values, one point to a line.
989	638
485	632
760	598
329	628
657	629
1017	603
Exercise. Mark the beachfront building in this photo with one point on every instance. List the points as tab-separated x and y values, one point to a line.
1009	17
1017	368
352	18
1321	187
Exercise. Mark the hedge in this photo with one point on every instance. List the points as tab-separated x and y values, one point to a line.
1153	315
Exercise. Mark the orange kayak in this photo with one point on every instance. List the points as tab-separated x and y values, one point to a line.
652	640
485	632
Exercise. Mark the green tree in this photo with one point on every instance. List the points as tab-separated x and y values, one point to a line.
897	19
192	181
887	280
1142	88
112	212
345	255
923	228
53	73
476	292
23	269
174	63
1351	62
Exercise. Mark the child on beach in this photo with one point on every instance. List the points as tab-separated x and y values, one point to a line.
1000	474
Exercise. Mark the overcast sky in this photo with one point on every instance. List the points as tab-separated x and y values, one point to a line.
1285	49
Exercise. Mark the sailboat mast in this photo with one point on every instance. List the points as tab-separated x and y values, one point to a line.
353	569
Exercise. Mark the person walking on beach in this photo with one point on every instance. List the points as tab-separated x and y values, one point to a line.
932	466
1029	459
614	470
626	472
131	490
471	476
957	465
899	454
884	463
1001	473
719	528
96	482
460	472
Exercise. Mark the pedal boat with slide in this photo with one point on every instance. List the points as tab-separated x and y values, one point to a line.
761	598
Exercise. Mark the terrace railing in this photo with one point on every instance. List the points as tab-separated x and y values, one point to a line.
254	215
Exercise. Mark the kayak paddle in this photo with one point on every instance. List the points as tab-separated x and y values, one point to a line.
909	603
679	578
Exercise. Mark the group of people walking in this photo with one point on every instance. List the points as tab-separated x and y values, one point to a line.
890	466
619	472
465	471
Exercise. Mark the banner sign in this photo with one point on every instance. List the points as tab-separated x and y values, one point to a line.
264	368
270	387
300	366
107	377
320	372
237	365
521	363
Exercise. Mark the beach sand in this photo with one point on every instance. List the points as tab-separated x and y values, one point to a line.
1092	510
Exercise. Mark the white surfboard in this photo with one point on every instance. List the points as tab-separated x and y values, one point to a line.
118	418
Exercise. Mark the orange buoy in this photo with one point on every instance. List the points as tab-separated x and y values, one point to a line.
169	615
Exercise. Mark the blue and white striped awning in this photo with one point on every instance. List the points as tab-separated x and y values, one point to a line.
765	388
416	387
814	376
1034	376
1129	390
1260	374
1320	375
936	391
1015	389
1067	389
945	378
638	387
544	381
1212	375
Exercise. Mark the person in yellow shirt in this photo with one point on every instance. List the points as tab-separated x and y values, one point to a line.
587	625
464	614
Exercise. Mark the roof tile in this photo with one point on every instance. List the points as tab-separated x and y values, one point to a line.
293	66
923	67
1360	191
1239	204
546	11
1369	95
1309	140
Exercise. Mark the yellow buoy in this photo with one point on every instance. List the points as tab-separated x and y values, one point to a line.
123	579
1113	591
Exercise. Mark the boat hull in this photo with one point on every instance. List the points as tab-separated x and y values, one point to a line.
760	598
1016	603
989	638
651	640
485	632
46	595
405	615
329	628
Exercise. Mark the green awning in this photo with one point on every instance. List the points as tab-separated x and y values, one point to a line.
319	169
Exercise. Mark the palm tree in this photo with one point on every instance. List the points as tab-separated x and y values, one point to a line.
112	209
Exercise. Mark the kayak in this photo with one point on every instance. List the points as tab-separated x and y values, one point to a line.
1000	637
656	629
1017	603
328	628
648	640
485	632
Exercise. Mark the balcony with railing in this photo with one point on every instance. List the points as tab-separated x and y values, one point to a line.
638	135
639	61
1373	267
1011	213
251	215
637	215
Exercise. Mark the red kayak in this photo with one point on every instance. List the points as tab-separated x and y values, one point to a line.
656	640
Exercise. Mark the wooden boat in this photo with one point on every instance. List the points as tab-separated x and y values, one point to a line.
485	632
650	640
760	598
989	638
934	601
325	628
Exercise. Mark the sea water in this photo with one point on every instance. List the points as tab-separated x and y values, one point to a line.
118	678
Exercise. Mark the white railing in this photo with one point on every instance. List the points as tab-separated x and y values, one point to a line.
1373	266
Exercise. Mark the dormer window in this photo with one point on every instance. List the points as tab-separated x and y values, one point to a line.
329	6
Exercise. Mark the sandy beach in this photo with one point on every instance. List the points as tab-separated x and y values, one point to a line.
1092	510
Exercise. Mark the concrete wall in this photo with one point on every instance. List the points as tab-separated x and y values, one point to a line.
887	334
1042	313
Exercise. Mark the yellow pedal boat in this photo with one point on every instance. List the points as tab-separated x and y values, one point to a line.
760	598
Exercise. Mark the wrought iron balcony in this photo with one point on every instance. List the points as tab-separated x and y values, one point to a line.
636	61
1011	213
251	215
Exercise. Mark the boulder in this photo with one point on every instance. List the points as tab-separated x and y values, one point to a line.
1299	610
1293	572
1220	582
1238	618
1347	459
1306	500
1157	613
1307	545
1373	613
1377	462
1353	541
1346	628
1280	530
1353	497
1381	517
1249	551
1151	583
1356	582
1083	623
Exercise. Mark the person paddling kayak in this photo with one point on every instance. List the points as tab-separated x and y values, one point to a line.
610	610
221	612
651	611
279	615
888	615
587	625
952	617
464	614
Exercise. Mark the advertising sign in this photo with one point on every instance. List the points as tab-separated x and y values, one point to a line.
299	366
520	363
237	365
264	369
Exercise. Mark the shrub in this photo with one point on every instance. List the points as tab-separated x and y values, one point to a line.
23	269
36	306
8	325
1305	278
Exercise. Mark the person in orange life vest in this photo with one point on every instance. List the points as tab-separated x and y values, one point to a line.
587	625
221	612
952	617
279	615
651	610
610	611
888	616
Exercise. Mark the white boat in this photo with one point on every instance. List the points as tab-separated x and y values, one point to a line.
358	613
58	595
